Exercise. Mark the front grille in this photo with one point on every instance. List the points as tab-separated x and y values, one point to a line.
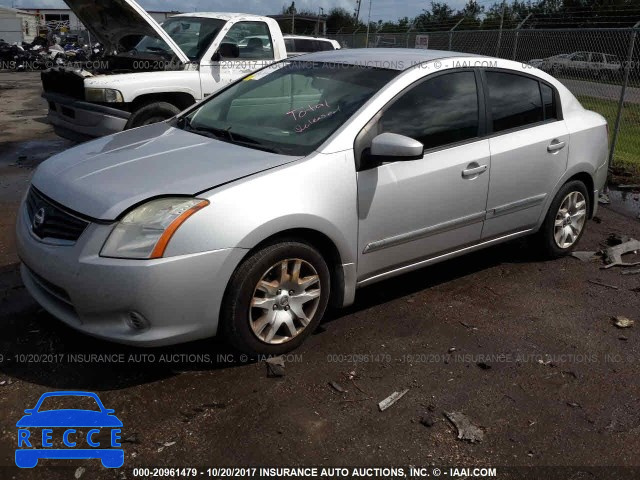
58	80
51	221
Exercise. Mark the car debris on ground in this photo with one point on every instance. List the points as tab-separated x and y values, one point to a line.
634	271
613	255
275	367
391	399
622	322
466	430
337	387
585	256
597	282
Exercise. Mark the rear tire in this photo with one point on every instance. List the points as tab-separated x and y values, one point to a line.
152	113
276	298
566	220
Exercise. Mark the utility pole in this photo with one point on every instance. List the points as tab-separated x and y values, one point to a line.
504	3
320	11
358	2
368	24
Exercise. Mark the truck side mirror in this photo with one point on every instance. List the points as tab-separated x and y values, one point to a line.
226	50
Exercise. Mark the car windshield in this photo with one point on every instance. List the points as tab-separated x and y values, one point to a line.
69	402
193	36
289	108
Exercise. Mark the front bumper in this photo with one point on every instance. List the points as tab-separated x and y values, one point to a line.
178	298
80	121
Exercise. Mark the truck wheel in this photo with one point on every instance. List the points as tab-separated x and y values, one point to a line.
276	298
152	113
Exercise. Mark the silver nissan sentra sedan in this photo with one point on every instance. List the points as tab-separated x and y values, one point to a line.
254	210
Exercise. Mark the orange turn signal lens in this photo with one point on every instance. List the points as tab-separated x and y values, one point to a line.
163	242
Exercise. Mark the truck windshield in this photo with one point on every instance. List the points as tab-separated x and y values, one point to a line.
289	108
193	36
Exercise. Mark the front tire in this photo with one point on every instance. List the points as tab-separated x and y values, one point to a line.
566	220
276	298
152	113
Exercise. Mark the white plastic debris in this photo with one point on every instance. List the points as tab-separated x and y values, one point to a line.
391	399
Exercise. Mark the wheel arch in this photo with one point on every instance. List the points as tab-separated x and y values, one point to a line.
579	172
587	179
181	100
325	246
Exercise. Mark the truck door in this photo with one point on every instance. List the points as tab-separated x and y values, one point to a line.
246	47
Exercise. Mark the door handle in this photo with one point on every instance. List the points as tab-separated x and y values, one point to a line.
555	146
472	172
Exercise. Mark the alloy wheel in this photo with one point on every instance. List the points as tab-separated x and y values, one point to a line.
570	219
284	301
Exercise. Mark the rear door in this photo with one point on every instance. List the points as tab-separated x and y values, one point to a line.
529	145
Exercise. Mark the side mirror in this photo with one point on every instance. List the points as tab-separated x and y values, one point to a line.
391	147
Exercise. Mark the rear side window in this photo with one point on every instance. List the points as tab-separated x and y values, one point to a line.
326	46
549	102
290	45
303	45
436	112
515	100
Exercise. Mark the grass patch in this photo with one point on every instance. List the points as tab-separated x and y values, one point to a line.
627	152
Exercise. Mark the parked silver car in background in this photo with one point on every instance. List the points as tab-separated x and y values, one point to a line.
252	212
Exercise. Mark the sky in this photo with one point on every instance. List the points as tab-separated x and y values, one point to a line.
380	9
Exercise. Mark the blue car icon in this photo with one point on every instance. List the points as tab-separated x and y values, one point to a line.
69	419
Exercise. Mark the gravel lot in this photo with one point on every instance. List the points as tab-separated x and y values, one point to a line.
526	348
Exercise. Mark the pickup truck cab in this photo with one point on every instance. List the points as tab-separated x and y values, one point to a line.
151	72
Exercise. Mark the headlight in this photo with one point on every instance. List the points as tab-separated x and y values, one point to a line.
105	95
145	232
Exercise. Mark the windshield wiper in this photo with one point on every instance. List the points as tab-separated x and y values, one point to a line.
225	135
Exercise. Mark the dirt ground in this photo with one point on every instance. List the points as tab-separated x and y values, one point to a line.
526	348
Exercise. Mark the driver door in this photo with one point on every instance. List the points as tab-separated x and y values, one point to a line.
246	47
412	210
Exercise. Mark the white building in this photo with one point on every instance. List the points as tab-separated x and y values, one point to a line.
17	25
63	17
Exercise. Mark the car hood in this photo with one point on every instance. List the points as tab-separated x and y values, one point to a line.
104	177
112	20
69	418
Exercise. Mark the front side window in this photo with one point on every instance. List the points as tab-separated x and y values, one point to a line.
290	108
252	39
436	112
514	99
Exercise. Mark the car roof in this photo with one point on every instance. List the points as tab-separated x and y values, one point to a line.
306	37
390	58
221	15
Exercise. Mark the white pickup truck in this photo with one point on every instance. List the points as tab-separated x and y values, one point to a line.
151	72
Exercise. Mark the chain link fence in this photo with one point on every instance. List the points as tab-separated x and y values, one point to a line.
601	67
